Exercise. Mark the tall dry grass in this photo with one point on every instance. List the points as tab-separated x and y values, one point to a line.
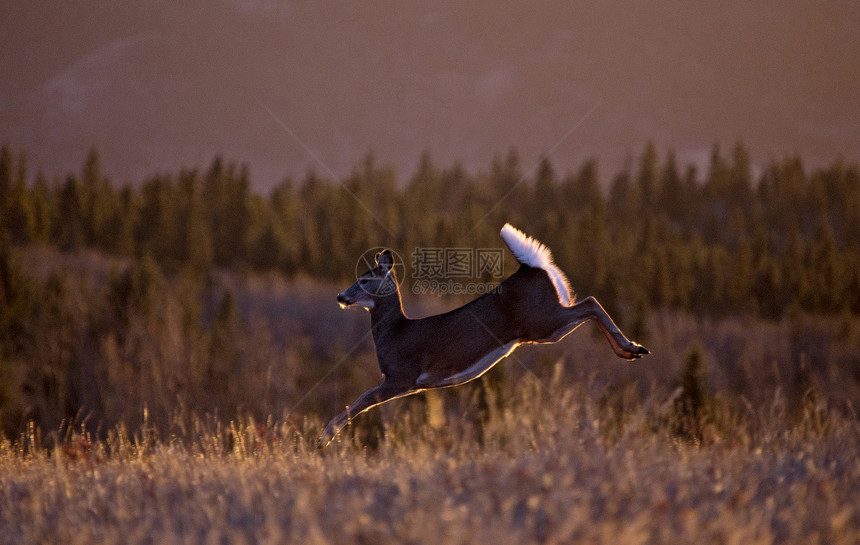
549	462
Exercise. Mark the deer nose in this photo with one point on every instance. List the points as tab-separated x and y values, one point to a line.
341	298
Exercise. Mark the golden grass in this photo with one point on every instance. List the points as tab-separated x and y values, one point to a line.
547	462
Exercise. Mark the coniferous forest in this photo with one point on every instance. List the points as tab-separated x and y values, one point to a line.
115	298
714	242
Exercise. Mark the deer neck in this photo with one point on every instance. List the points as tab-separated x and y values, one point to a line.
387	310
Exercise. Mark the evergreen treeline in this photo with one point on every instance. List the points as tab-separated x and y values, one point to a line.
662	235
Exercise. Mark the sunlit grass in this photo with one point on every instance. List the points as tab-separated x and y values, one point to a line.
545	461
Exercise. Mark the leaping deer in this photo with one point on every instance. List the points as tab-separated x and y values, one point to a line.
533	305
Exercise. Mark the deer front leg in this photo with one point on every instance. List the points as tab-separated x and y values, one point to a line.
369	399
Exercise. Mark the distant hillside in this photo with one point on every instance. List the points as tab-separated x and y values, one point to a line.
155	85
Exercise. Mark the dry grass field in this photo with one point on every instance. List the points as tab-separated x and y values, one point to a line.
553	462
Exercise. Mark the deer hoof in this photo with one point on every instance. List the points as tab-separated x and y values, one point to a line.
325	438
637	352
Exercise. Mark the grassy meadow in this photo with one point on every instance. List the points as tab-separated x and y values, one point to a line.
732	431
560	466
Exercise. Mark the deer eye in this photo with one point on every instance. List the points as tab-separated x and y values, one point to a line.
362	282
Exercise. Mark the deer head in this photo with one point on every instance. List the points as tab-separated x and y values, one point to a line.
380	281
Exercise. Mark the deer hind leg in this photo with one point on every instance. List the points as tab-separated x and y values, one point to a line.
590	309
369	399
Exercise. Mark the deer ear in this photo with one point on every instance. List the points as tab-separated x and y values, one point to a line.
385	260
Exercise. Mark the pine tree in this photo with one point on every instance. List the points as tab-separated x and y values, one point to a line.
505	175
70	223
227	193
316	198
157	232
285	225
17	295
582	191
39	225
124	223
672	198
423	188
740	175
718	181
620	197
195	236
545	195
18	207
6	176
646	188
830	280
100	203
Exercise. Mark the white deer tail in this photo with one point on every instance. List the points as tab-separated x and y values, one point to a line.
533	253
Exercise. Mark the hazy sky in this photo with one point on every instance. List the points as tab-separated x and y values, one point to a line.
287	86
